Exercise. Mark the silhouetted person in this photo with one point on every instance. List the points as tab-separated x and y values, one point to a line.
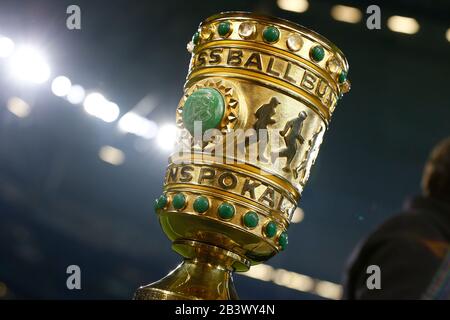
292	134
263	119
412	248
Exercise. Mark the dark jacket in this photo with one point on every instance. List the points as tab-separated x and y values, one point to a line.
410	249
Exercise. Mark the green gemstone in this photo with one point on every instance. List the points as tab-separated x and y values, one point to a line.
196	38
342	76
205	105
283	240
226	211
179	200
271	34
270	229
251	219
224	28
161	202
201	204
317	53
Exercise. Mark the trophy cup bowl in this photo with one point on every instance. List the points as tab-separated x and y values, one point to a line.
257	101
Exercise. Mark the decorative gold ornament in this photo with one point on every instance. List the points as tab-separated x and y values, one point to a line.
255	83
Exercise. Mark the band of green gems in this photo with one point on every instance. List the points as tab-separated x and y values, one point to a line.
196	38
179	201
201	204
270	229
224	29
271	34
317	53
226	211
283	240
342	76
250	219
161	202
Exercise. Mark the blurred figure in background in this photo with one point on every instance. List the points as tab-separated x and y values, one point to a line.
412	248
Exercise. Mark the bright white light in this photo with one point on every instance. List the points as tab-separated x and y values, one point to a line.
6	47
328	290
346	14
295	281
293	5
447	34
262	272
110	112
301	282
18	107
298	215
27	64
403	24
167	135
138	125
76	94
111	155
283	277
61	86
97	105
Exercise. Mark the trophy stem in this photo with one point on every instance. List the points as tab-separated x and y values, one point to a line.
205	274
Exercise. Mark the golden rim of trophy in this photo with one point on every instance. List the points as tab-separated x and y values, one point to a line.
272	48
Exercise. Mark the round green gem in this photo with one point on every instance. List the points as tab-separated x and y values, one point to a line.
271	229
317	53
201	204
205	105
224	28
271	34
283	240
342	76
251	219
226	211
179	201
196	38
161	202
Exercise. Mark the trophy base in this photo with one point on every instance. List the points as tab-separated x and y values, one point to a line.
205	274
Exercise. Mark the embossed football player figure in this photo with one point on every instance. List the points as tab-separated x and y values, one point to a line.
264	118
292	134
311	154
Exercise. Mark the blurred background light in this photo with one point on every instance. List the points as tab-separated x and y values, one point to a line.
138	125
18	107
403	24
98	106
28	64
3	289
293	5
111	155
447	34
298	215
110	112
76	94
261	272
328	290
61	86
6	47
346	14
301	282
296	281
167	135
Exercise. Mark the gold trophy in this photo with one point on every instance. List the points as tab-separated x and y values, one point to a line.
258	98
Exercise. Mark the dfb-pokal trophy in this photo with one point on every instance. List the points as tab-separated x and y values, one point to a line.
257	101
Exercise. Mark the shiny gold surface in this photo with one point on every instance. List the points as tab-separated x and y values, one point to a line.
228	197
